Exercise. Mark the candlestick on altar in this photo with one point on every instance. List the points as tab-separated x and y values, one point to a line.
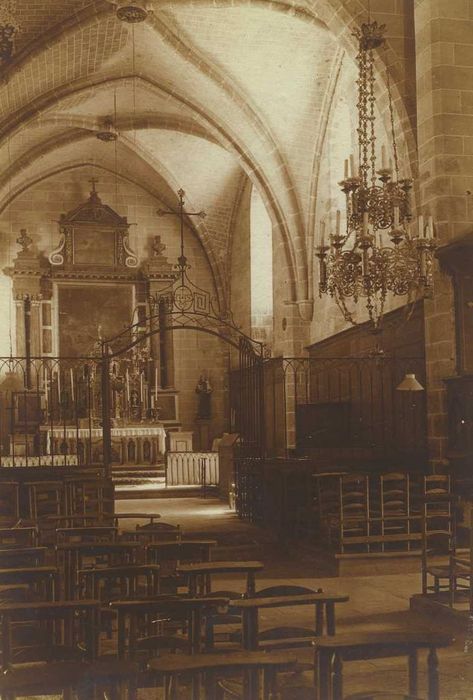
127	386
383	157
346	169
430	227
421	226
72	385
322	234
141	388
156	382
352	166
338	221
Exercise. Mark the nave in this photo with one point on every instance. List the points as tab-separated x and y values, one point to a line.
149	648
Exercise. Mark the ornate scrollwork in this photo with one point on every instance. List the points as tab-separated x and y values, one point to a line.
131	259
56	256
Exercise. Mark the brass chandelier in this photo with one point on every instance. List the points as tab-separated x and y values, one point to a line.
356	264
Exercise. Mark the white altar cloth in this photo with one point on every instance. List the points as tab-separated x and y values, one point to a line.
72	433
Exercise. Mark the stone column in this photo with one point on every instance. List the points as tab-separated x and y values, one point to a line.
291	340
160	275
444	60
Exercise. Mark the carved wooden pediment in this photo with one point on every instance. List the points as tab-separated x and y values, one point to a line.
94	211
93	239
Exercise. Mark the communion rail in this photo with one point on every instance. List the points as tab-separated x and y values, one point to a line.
192	469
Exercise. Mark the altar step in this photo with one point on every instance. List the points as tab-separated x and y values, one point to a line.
156	488
126	475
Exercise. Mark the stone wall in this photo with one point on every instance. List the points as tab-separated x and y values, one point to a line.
444	40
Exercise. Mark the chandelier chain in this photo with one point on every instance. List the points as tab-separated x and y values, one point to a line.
393	129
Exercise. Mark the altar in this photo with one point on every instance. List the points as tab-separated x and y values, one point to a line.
133	444
87	329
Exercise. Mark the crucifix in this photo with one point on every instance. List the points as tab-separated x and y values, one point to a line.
182	260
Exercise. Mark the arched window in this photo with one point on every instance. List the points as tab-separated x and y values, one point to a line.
261	252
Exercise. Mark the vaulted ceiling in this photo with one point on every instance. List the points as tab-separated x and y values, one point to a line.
204	95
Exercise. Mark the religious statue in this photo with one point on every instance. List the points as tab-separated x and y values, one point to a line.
158	247
204	391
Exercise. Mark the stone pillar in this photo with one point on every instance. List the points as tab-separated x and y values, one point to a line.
20	326
444	61
291	340
160	276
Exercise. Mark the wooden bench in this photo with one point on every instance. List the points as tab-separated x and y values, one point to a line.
38	583
22	557
71	626
250	608
331	652
198	574
74	556
217	666
142	614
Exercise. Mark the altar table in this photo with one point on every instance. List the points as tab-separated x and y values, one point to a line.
130	444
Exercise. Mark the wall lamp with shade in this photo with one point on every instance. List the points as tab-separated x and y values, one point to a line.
410	383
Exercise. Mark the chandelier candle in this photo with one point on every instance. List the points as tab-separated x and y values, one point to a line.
358	266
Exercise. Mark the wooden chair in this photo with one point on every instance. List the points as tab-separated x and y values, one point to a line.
46	498
81	680
395	509
23	557
223	626
120	582
198	575
16	537
143	625
86	534
89	497
328	498
332	652
28	584
153	532
461	570
179	551
209	669
292	637
169	554
81	520
350	527
73	557
9	503
436	496
438	546
49	648
49	631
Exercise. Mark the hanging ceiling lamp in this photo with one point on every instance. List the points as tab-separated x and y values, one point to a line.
107	132
132	11
356	264
9	27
